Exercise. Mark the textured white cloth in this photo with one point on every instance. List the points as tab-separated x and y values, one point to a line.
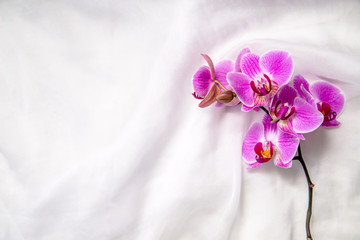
100	138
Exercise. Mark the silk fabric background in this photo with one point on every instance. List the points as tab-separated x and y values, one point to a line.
100	137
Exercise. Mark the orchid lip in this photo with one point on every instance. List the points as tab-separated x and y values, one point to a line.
325	109
264	152
330	116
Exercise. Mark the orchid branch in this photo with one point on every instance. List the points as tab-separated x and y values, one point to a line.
265	110
311	189
310	185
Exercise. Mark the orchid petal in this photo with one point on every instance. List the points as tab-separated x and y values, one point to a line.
270	129
254	165
307	118
202	81
280	163
221	69
278	65
250	65
287	145
299	82
260	101
253	136
288	127
241	85
287	94
326	92
245	108
307	96
332	123
239	57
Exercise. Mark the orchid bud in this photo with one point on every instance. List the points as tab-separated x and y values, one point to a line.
210	97
225	97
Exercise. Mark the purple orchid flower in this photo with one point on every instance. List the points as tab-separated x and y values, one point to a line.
242	53
265	141
327	98
293	114
260	77
207	80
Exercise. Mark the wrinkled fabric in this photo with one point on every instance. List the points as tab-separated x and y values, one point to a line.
100	137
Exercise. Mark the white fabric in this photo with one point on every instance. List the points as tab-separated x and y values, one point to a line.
100	137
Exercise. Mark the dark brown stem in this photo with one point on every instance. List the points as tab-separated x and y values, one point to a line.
265	110
311	188
310	185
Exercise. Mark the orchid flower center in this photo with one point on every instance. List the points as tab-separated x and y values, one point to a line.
262	85
283	111
264	151
325	109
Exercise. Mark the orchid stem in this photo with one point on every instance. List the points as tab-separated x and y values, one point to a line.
311	188
222	86
265	110
310	185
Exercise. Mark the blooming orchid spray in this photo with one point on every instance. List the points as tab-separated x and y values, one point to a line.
291	104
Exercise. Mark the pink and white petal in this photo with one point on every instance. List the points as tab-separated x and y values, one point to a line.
287	94
202	81
221	69
261	101
307	118
253	136
249	65
287	127
286	146
270	129
278	65
326	92
239	57
299	82
274	90
240	83
332	123
245	108
254	165
273	102
308	97
280	163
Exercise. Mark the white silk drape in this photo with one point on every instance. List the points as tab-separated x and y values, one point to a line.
100	138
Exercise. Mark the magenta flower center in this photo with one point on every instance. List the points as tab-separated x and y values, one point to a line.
283	111
325	109
262	86
264	151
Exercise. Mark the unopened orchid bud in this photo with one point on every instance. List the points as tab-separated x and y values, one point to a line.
210	97
225	97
